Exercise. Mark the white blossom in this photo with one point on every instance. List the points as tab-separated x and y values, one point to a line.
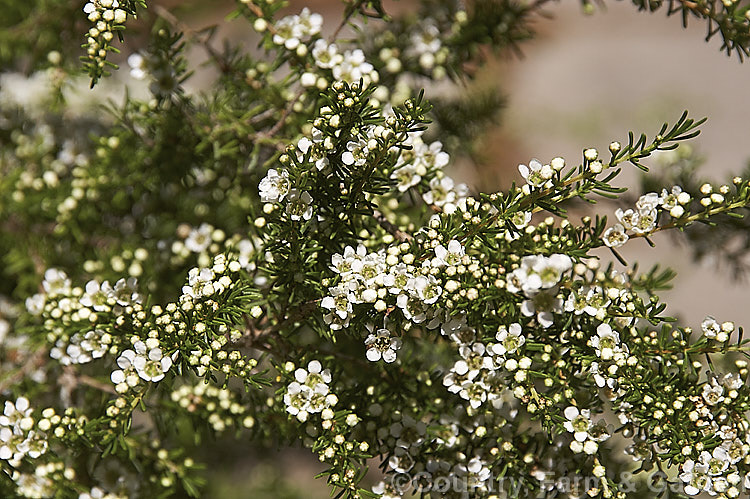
382	345
274	186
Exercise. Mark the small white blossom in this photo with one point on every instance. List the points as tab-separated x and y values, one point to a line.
299	205
509	339
451	256
382	345
274	186
578	422
615	236
536	174
199	238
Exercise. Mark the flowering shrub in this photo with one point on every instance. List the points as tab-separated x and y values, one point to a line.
284	258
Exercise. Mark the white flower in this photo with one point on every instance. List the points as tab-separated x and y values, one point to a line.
426	39
309	392
578	423
406	176
153	367
648	202
451	256
710	327
370	267
628	218
605	342
382	345
537	272
97	296
150	364
510	339
297	398
299	205
342	264
412	306
444	193
646	221
409	432
397	279
199	238
536	174
274	186
356	153
550	269
326	55
340	301
35	304
474	360
427	288
597	302
56	282
288	32
431	157
200	283
615	236
126	293
335	322
309	22
354	67
716	462
314	374
473	391
521	219
386	490
670	199
543	304
713	393
81	348
17	437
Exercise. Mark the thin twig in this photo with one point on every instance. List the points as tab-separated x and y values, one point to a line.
282	119
391	228
194	36
83	379
259	13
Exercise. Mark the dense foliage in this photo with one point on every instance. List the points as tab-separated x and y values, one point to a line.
281	260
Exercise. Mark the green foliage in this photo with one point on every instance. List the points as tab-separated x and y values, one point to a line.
281	259
729	19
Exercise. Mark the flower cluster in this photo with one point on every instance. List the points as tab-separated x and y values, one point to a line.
642	220
537	278
309	393
479	375
381	344
371	309
42	483
99	493
59	298
714	470
538	175
382	280
107	17
292	30
18	435
146	361
81	348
